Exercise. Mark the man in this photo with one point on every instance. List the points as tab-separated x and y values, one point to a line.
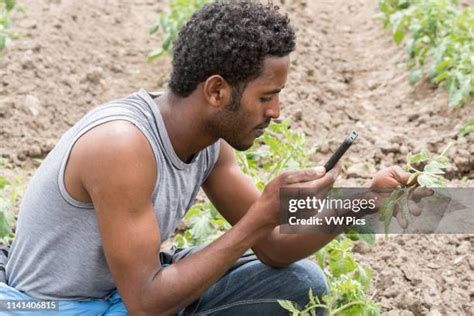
117	183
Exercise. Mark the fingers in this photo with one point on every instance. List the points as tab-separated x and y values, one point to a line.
419	193
400	175
402	221
305	175
335	172
414	208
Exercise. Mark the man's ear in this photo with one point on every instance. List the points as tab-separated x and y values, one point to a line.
217	91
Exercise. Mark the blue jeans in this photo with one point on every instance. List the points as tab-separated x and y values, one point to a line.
251	289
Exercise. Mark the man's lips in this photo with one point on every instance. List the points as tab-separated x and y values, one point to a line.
262	126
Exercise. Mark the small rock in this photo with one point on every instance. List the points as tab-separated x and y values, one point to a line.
48	146
32	105
399	312
471	262
324	148
298	115
337	88
388	147
6	107
95	75
434	312
21	157
413	117
361	247
392	291
458	260
360	170
372	85
385	279
464	248
35	152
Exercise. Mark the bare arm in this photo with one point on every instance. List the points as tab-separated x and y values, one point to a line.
233	193
117	170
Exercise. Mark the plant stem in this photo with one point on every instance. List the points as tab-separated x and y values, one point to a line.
334	312
446	149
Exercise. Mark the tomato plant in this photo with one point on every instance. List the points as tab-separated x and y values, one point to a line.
439	38
171	21
6	7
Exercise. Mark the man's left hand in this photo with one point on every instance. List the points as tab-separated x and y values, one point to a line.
396	178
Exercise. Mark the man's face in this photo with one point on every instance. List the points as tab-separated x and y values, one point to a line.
245	118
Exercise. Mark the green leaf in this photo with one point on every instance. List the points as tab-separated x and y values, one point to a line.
455	97
3	182
467	128
442	65
398	35
7	218
341	262
154	28
442	76
420	157
155	54
426	181
440	162
432	168
201	228
10	4
364	276
288	305
386	210
415	76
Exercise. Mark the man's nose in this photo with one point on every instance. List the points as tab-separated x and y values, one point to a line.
273	111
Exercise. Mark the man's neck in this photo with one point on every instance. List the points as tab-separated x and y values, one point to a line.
184	125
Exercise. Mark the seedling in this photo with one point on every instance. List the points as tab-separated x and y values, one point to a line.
171	21
431	177
467	128
348	284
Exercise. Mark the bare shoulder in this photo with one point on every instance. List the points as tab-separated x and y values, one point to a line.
113	154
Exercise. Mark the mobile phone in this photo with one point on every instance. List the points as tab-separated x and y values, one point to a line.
341	150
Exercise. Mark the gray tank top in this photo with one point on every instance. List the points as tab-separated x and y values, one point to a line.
57	251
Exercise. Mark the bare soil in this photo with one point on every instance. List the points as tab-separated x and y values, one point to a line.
346	73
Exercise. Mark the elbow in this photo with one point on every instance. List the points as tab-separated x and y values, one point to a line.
273	262
145	304
145	310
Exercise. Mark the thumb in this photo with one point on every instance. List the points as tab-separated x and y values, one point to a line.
306	175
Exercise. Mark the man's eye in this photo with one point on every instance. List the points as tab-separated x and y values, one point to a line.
263	99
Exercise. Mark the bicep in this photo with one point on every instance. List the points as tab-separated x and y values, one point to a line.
230	190
120	184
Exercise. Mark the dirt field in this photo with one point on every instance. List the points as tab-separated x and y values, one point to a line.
346	73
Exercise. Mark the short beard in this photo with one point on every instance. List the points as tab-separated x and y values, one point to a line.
236	97
227	123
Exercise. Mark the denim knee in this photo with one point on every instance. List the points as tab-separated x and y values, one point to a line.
309	275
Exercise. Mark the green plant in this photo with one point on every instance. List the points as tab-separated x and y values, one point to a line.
205	225
431	177
453	60
6	6
348	282
440	38
467	128
171	21
7	218
282	148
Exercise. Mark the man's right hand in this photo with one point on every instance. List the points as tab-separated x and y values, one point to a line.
266	209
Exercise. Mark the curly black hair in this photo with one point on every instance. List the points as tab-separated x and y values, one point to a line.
231	39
